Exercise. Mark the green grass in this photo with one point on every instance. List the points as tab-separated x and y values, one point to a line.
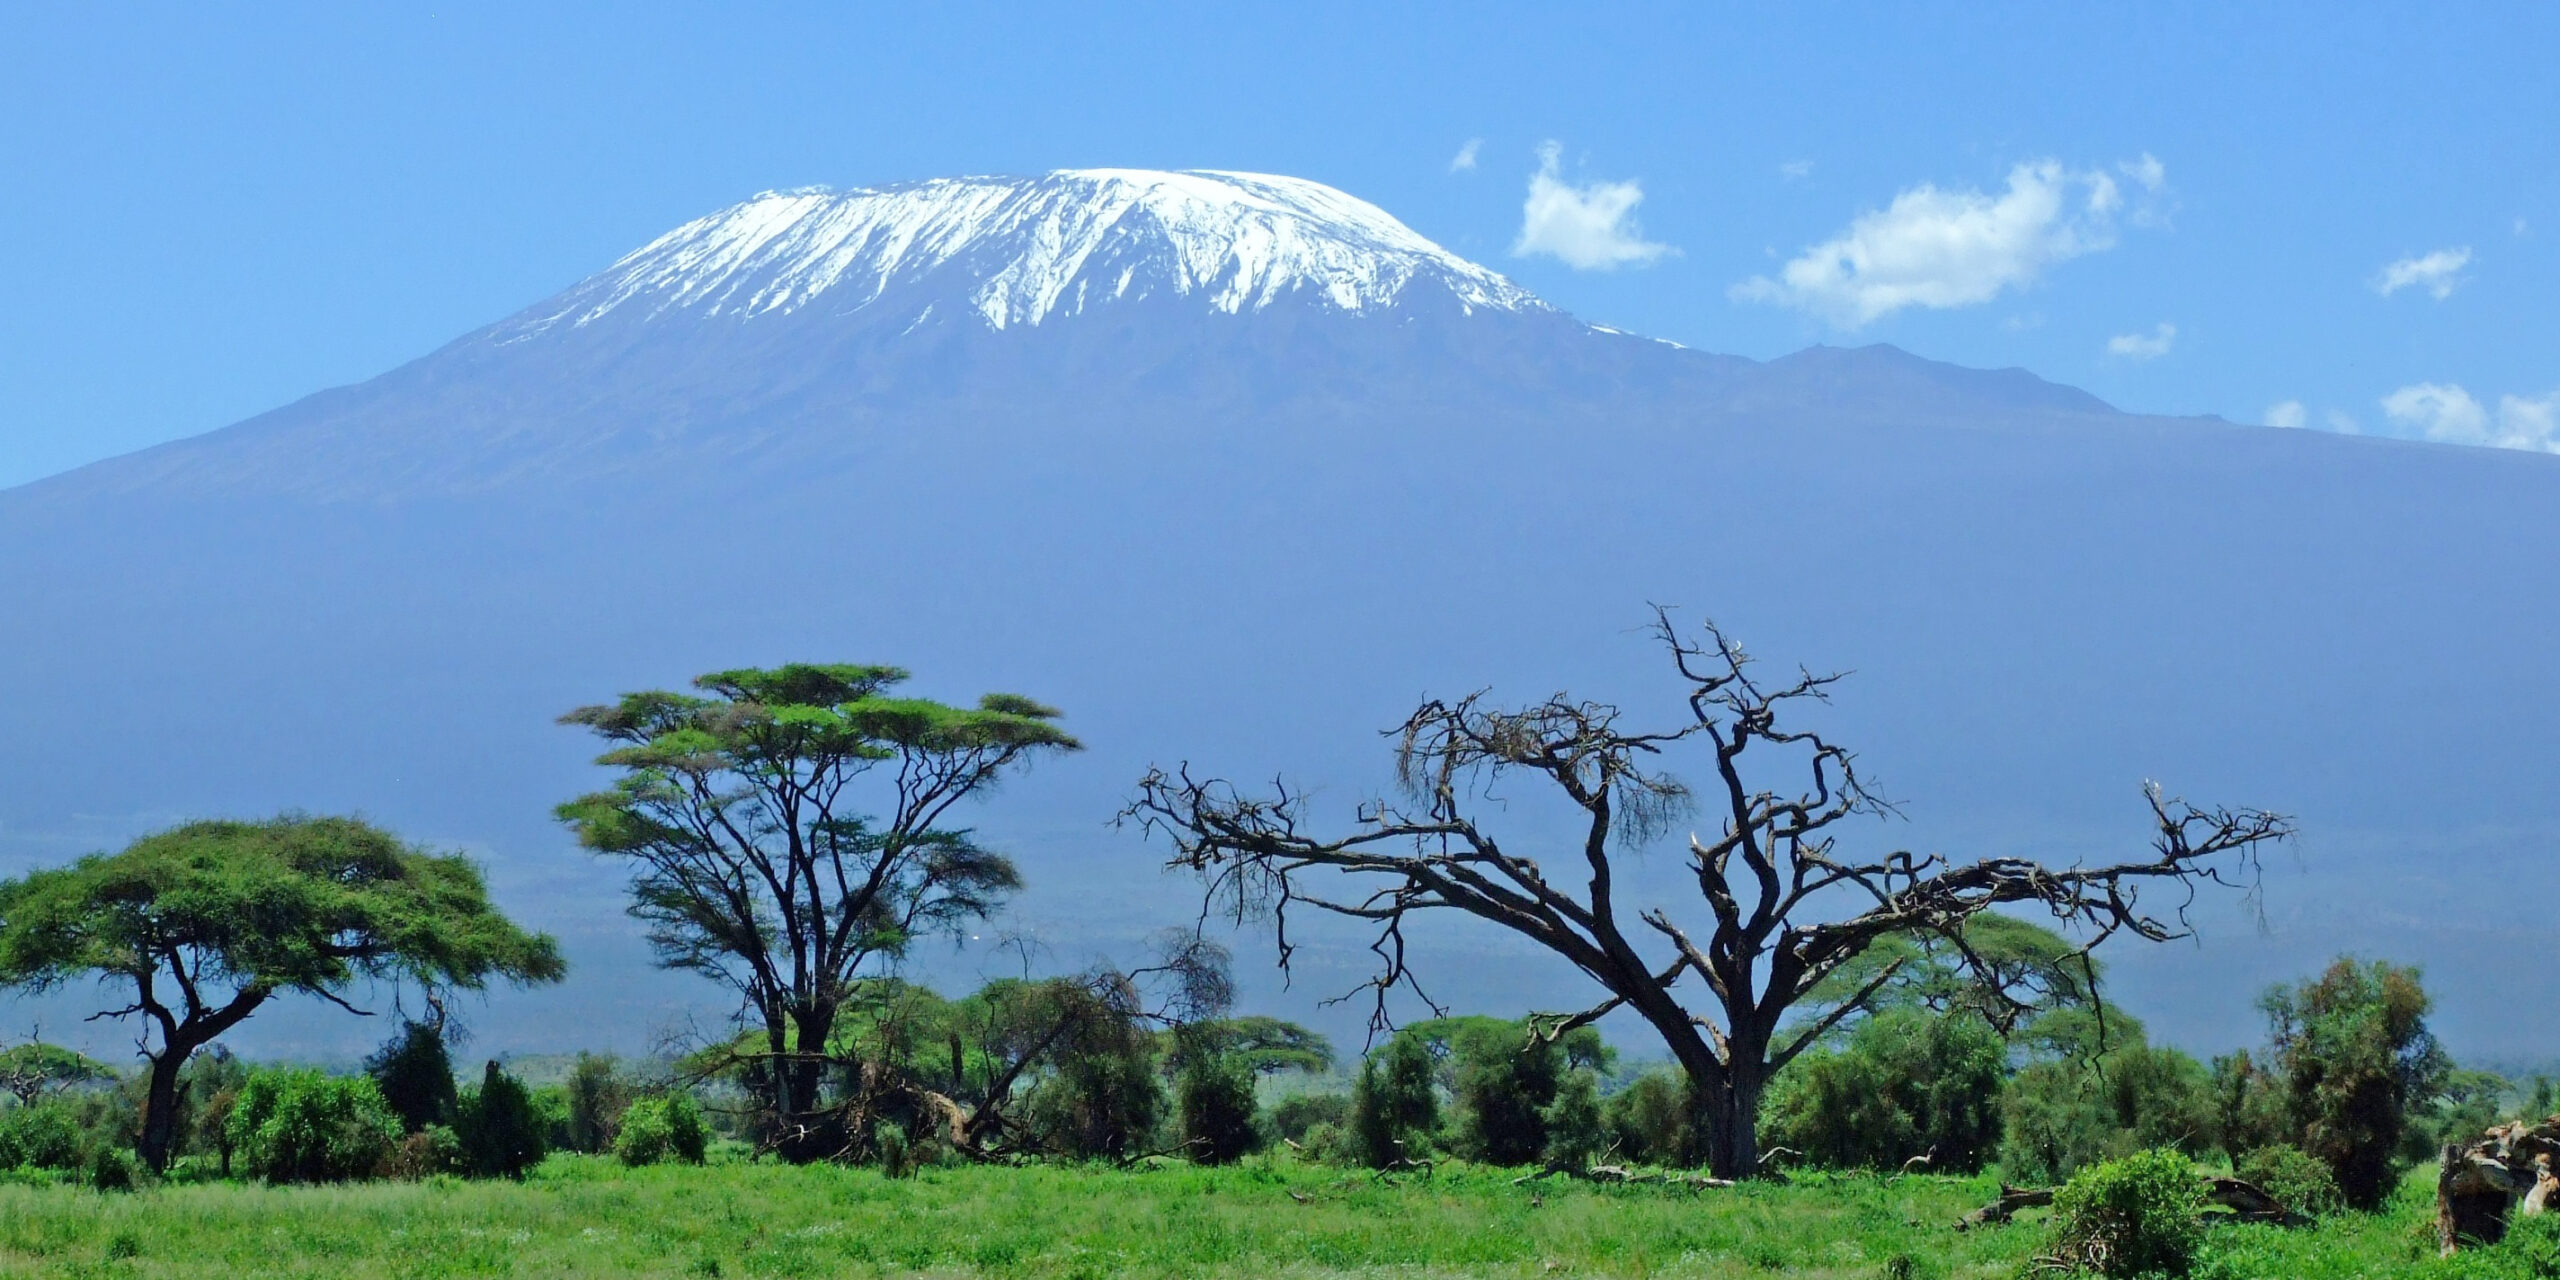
589	1217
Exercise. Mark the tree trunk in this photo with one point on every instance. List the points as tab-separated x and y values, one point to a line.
160	1108
1729	1120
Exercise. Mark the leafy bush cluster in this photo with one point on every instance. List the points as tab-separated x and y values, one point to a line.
2142	1215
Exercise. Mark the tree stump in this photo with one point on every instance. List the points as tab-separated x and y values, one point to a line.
2508	1170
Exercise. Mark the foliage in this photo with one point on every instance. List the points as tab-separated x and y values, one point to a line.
502	1131
2297	1181
1295	1118
416	1075
1503	1075
1649	1120
207	921
750	865
2142	1215
1576	1133
304	1126
662	1127
2062	1115
47	1135
1909	1083
1261	1045
2249	1106
213	1083
1214	1098
2357	1059
596	1097
1394	1108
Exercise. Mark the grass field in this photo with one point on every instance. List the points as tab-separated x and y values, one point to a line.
584	1216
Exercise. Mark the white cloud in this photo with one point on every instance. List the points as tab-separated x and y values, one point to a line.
1794	169
1465	160
2439	273
2148	171
1591	227
1941	249
2447	412
2344	423
2144	346
2287	413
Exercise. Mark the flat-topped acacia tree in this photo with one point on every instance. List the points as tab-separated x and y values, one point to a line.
1736	985
784	830
208	921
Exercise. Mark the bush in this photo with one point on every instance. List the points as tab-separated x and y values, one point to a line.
303	1126
2297	1181
2060	1117
433	1150
897	1155
1576	1133
1296	1117
416	1076
2357	1060
501	1129
114	1169
1393	1107
668	1127
1649	1120
596	1097
46	1135
1215	1100
1909	1083
2139	1216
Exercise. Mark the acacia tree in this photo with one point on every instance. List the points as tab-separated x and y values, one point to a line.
755	864
209	921
1785	907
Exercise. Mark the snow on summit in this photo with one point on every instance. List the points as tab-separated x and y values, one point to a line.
1017	251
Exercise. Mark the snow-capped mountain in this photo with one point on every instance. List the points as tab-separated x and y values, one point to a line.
1017	251
1233	469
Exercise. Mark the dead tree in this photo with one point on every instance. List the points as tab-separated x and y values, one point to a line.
2510	1170
1784	906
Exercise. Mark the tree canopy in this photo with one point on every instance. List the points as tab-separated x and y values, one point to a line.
786	833
210	920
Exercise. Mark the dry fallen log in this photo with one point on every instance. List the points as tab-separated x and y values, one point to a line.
2001	1210
1620	1175
2507	1171
2247	1201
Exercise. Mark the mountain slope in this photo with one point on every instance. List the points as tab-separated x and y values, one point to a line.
1243	513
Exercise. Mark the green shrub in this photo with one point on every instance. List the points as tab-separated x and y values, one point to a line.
1909	1083
1576	1133
897	1155
46	1135
1214	1099
303	1126
1393	1107
666	1127
433	1150
2139	1216
501	1129
2299	1182
1295	1118
2059	1117
596	1098
416	1076
2357	1061
1649	1119
112	1168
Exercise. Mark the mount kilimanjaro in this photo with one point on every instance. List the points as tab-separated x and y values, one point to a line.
1234	468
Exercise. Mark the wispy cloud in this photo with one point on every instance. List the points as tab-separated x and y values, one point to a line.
1951	248
2287	413
1590	227
2448	412
2144	346
2439	273
1796	169
1465	160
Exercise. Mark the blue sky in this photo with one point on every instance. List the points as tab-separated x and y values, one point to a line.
2184	210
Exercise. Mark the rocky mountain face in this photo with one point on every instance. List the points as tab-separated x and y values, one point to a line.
1234	469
